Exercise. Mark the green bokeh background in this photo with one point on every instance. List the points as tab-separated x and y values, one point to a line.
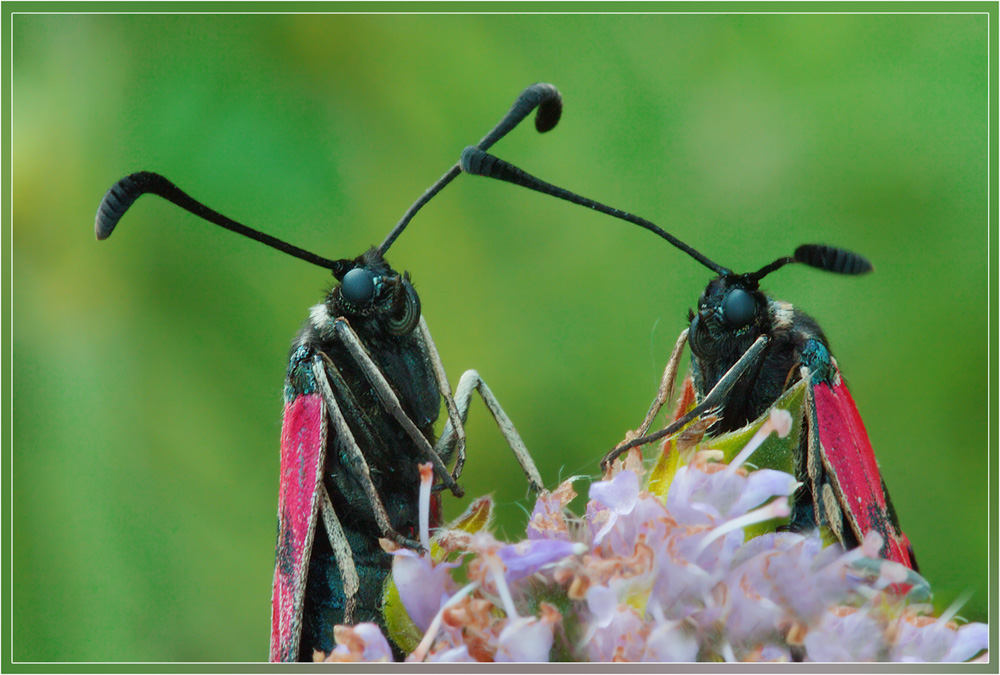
148	369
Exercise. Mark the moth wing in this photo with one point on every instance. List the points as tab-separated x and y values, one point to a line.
852	470
303	442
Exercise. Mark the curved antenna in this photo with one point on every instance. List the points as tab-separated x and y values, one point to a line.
123	194
476	161
840	261
543	96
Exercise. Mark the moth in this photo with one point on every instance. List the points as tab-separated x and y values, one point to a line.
747	349
362	393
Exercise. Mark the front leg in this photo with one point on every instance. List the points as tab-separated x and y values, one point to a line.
342	554
354	459
455	420
391	402
715	399
666	390
468	383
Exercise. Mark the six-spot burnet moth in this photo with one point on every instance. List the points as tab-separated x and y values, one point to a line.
362	393
747	349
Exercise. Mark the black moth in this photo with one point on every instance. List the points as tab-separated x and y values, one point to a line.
748	349
362	394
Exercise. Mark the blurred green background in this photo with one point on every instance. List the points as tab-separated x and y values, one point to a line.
148	369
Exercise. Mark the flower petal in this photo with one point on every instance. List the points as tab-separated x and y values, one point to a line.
525	639
971	639
527	557
667	642
618	494
760	486
422	586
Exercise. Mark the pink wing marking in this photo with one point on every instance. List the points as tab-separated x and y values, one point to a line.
851	460
303	436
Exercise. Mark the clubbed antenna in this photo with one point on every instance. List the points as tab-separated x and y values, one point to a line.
543	96
476	161
836	260
123	194
126	191
479	162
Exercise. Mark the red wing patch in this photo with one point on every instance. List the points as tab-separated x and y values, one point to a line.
303	438
687	399
850	461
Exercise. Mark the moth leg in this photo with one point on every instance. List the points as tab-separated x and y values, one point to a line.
666	390
455	420
354	459
365	432
715	398
391	402
470	382
342	554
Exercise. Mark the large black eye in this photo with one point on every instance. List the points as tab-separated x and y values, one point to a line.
358	287
738	307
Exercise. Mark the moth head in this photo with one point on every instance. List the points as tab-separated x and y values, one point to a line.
371	290
731	307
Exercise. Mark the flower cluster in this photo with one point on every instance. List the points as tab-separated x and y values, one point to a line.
662	567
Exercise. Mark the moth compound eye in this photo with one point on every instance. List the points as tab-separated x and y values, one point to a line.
701	343
407	311
738	307
358	287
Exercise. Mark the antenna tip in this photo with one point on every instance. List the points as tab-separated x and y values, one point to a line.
106	220
120	198
549	106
